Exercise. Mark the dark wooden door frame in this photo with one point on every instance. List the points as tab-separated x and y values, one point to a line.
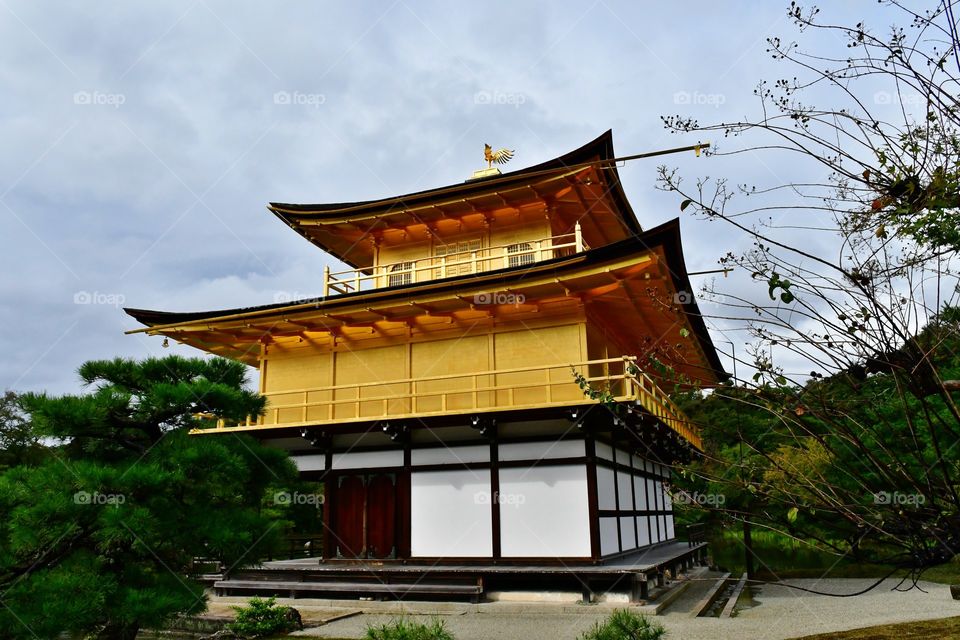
383	512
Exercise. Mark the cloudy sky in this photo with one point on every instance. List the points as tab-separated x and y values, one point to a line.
141	141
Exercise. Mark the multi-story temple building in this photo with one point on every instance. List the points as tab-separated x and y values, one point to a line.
435	386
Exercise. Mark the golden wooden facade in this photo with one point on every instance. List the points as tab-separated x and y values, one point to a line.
475	298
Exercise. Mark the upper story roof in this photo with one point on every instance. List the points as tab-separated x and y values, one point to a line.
582	185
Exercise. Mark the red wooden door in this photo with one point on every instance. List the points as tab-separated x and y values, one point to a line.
381	516
348	514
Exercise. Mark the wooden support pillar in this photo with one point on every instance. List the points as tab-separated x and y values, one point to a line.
641	588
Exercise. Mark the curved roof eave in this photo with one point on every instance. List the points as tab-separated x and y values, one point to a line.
601	148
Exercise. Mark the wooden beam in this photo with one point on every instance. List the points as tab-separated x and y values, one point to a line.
588	209
427	310
381	314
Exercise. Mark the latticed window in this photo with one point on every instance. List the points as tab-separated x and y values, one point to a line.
458	257
400	273
519	254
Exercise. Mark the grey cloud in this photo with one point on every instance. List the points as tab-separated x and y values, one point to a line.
142	141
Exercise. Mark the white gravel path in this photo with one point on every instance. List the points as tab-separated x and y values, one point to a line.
782	613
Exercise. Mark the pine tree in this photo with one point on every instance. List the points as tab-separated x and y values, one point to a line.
100	538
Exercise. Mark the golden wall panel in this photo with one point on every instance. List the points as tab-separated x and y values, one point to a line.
370	366
451	357
286	373
544	346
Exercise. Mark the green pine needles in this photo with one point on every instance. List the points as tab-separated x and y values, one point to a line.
99	536
624	624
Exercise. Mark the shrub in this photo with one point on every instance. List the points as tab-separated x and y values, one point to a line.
624	624
263	618
402	629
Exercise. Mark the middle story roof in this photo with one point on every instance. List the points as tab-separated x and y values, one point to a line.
632	283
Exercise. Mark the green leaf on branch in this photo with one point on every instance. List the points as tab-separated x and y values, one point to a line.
776	282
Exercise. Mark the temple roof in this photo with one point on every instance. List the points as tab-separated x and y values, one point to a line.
615	276
577	186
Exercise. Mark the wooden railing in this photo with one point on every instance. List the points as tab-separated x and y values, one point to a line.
453	264
652	398
478	391
696	533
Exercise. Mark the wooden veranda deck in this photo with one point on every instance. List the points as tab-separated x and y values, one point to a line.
634	573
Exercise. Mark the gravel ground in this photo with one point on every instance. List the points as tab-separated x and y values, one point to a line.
781	613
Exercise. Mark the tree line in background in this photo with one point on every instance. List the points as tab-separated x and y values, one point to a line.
107	501
856	447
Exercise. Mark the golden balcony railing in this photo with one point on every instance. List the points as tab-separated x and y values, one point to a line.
454	263
474	392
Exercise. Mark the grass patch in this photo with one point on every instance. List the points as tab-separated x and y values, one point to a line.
779	557
944	628
945	573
